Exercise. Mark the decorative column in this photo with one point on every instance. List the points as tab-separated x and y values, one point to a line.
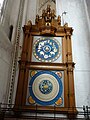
70	67
22	64
26	30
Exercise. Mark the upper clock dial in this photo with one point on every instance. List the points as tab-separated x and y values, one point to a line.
46	49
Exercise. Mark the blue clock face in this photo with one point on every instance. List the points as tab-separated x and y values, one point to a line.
45	87
46	49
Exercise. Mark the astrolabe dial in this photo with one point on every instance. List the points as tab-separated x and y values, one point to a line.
46	49
45	87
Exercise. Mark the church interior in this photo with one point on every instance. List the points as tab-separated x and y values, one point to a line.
44	59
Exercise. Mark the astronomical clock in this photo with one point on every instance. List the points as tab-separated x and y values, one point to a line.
45	81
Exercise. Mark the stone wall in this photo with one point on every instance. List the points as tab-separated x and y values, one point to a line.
5	65
77	18
10	17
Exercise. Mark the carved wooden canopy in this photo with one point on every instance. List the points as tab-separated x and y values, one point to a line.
48	24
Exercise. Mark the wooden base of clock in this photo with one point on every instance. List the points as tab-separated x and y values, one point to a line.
69	112
46	82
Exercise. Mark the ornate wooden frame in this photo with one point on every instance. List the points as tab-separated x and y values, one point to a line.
47	25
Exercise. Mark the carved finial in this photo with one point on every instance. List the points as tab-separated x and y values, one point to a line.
29	23
53	13
59	20
37	19
66	24
43	13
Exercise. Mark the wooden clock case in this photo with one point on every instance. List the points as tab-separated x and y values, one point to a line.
49	26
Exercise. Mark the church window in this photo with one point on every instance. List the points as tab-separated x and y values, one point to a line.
10	32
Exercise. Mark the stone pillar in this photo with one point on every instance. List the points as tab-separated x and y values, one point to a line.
15	53
5	20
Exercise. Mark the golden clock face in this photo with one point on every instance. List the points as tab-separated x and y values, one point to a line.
47	49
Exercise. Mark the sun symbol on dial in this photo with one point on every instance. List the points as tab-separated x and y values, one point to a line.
45	86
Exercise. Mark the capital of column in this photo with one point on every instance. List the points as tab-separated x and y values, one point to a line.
27	27
68	31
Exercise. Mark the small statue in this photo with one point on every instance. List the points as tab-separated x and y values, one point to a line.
48	14
48	8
